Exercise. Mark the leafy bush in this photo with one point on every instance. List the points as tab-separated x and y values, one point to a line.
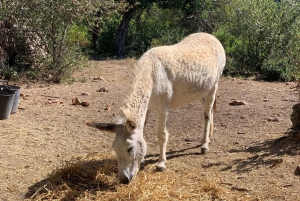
16	53
262	37
53	33
148	30
180	18
145	31
106	42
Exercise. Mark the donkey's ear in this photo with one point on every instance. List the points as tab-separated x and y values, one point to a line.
102	126
130	126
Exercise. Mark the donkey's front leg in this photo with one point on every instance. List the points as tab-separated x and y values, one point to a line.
163	136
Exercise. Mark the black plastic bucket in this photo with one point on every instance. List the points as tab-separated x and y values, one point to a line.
6	102
17	91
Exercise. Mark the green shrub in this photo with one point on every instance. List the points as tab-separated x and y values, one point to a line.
148	30
53	32
106	41
262	37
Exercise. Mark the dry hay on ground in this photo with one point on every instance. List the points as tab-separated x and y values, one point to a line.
94	178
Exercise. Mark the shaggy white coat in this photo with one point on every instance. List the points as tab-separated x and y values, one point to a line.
167	77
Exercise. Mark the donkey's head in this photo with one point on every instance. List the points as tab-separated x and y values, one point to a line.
129	145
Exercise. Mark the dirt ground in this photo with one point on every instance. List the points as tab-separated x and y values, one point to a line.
253	151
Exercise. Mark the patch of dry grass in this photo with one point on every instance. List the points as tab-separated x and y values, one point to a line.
94	178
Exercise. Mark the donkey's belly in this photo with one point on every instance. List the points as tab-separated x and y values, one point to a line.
179	97
182	98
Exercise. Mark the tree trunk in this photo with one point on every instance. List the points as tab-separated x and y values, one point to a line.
95	31
95	37
120	36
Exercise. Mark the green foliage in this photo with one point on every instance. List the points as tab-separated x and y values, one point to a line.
54	32
148	30
78	35
50	37
15	51
262	37
161	23
51	24
106	40
180	18
202	15
9	73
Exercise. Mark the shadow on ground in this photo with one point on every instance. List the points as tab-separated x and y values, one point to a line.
75	178
170	155
268	153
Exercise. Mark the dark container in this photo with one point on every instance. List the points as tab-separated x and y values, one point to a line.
6	102
17	91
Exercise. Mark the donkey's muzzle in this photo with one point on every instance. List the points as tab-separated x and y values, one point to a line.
124	179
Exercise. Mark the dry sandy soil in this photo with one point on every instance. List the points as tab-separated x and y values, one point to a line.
254	153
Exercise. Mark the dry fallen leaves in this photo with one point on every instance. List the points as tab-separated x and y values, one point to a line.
107	107
54	101
276	162
25	97
85	94
76	101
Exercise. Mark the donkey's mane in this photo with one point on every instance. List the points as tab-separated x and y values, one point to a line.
138	94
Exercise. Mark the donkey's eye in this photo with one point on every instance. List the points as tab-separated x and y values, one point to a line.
130	149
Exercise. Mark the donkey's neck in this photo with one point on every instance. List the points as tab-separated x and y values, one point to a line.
138	100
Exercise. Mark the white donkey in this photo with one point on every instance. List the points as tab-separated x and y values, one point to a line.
166	77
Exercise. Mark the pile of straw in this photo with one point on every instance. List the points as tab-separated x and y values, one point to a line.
94	178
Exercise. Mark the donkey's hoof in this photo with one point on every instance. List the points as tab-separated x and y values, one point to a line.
160	168
204	150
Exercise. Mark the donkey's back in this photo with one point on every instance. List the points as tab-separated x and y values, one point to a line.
186	71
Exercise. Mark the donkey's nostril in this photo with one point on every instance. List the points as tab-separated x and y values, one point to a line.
124	180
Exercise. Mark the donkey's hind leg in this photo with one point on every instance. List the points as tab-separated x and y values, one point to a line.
208	103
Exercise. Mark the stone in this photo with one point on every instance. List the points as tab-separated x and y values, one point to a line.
107	107
85	94
236	103
298	169
85	103
273	118
102	89
76	101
